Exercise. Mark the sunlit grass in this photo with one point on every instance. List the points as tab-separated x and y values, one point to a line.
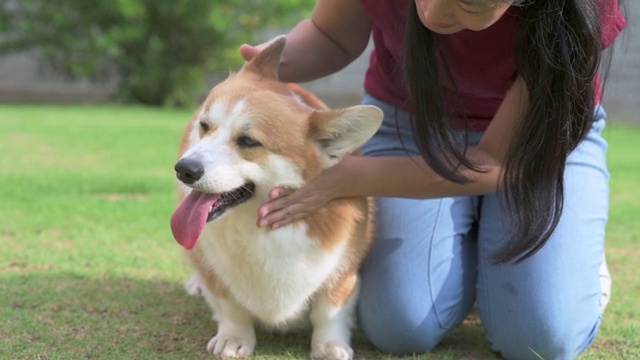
88	267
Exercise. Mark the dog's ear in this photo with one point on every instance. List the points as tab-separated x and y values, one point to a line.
267	61
341	132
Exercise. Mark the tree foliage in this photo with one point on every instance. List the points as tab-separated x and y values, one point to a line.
159	50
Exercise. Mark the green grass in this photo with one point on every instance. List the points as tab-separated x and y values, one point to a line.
89	270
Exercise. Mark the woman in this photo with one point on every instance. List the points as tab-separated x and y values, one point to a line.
489	169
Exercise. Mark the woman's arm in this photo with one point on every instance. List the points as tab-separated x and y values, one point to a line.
337	33
403	176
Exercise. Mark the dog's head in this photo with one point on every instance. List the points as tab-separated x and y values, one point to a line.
253	133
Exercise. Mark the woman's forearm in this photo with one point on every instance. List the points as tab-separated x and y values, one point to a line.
337	33
310	55
410	177
413	178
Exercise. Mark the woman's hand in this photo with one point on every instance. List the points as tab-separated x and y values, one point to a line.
286	206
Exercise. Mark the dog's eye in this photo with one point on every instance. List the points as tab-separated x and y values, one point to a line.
247	142
204	126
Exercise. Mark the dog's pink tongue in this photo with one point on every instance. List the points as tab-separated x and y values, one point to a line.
190	218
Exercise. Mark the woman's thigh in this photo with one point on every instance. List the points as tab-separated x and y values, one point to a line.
549	305
418	281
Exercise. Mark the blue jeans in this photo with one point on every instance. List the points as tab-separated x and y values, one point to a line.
431	262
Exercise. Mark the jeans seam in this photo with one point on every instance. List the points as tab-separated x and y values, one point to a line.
486	315
429	268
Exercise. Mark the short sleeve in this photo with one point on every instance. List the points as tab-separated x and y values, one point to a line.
611	20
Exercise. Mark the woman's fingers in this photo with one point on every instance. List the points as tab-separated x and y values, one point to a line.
284	207
277	192
283	217
248	52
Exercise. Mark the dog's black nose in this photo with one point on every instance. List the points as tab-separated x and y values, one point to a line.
189	170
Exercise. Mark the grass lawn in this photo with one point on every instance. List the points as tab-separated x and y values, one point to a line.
89	269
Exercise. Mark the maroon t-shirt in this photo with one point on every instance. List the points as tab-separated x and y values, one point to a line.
482	62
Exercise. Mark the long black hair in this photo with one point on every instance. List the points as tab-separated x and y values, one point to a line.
557	53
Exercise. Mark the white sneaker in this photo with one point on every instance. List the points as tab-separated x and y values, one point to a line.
605	285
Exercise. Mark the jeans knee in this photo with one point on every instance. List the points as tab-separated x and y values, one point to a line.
399	335
397	329
551	340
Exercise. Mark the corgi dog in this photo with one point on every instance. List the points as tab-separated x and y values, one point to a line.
253	133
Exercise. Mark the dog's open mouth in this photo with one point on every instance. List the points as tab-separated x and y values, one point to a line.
230	199
188	221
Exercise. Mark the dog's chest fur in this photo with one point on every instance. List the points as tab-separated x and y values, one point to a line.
272	273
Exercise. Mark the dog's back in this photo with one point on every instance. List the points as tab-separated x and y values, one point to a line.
251	134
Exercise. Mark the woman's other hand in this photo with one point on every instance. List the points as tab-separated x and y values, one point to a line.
248	52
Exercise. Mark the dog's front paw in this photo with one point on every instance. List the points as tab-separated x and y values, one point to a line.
230	346
331	350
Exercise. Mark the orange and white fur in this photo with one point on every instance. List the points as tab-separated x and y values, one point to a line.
251	134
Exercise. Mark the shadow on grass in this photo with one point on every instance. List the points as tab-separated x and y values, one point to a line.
67	316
